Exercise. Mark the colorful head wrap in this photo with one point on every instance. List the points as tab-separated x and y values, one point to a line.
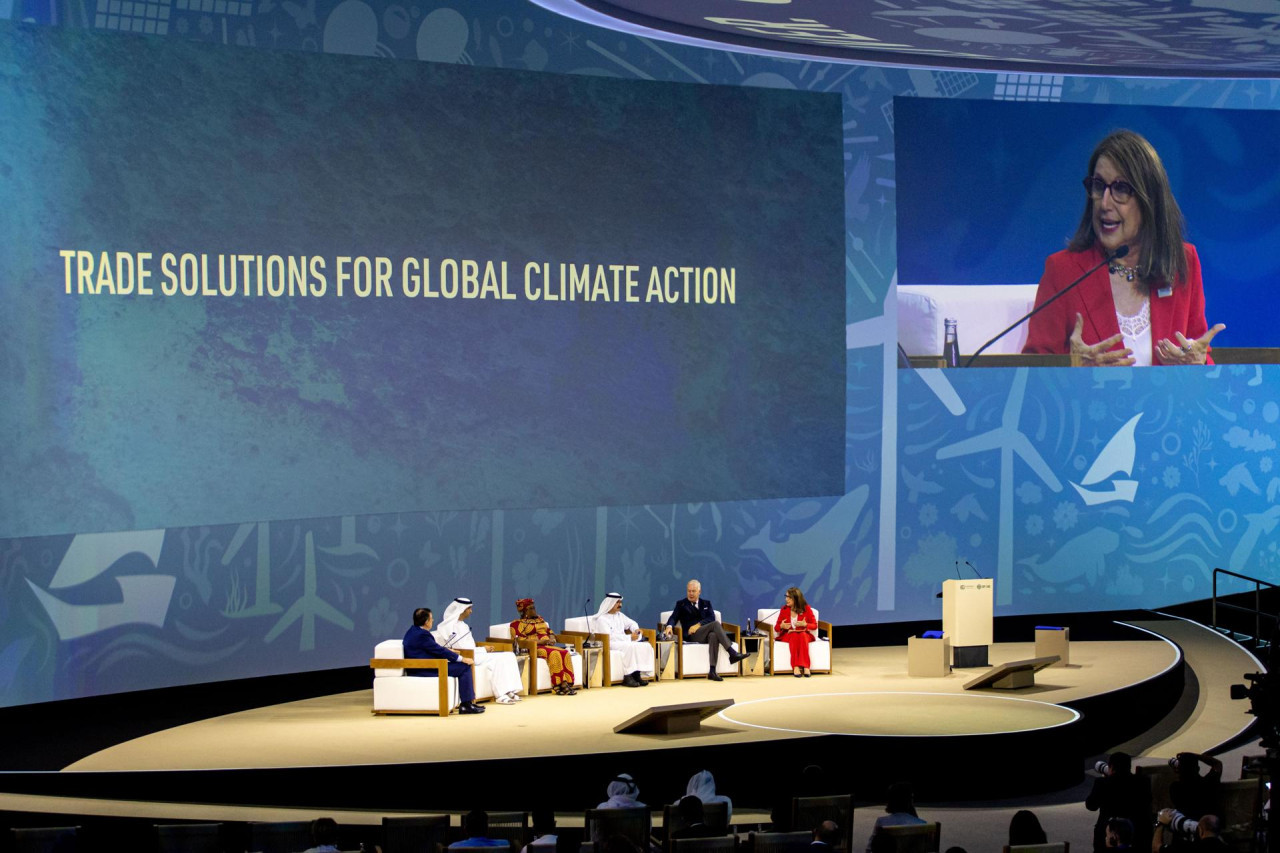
522	603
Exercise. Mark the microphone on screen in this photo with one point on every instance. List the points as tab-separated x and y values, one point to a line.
1120	252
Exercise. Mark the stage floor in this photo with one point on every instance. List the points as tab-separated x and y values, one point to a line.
869	693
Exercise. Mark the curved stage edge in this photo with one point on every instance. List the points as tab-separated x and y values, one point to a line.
942	763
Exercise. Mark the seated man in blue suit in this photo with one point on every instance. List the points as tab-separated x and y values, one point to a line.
697	620
420	644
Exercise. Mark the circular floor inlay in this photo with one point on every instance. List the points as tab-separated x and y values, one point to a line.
899	714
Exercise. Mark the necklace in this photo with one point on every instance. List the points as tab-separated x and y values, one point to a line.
1116	267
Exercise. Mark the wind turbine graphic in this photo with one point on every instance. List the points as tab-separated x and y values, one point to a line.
1009	440
882	331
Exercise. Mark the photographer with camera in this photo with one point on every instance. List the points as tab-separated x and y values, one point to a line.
1119	794
1176	830
1192	794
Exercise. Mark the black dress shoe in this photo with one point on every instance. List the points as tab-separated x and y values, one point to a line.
714	676
470	708
735	657
629	680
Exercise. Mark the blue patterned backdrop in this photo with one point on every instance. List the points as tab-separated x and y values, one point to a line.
1076	490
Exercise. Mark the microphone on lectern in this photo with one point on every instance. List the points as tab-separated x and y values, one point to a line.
958	577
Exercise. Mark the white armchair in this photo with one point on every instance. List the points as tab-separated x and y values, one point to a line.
482	681
693	660
538	676
614	670
397	692
780	652
981	311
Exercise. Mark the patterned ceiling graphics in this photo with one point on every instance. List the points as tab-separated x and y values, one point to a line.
1199	38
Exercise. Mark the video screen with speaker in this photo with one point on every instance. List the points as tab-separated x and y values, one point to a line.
986	208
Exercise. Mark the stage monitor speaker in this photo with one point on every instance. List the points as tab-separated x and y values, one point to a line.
1011	675
672	719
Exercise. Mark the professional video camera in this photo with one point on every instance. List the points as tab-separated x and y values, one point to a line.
1263	693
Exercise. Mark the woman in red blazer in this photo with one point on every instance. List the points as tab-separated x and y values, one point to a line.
1144	308
797	626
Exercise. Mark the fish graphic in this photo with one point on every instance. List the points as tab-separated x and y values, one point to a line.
810	552
1083	555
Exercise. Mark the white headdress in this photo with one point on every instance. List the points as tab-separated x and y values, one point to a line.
608	602
449	625
703	786
623	787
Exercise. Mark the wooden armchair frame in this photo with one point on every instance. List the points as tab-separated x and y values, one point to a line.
823	626
441	667
606	678
734	632
529	646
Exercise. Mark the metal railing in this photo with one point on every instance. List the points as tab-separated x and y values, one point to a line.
1256	610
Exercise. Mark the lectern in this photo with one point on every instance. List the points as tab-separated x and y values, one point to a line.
968	607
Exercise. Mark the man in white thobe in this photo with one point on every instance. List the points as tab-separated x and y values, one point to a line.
625	637
502	667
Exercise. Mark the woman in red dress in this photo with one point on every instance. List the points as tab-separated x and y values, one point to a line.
798	627
530	624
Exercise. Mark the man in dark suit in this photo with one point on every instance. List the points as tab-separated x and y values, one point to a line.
697	620
419	644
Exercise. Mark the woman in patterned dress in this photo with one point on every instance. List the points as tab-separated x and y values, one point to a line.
531	625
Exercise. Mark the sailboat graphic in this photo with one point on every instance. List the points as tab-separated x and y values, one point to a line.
144	599
1116	458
